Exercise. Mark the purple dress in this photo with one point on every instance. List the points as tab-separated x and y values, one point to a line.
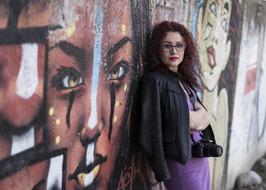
195	175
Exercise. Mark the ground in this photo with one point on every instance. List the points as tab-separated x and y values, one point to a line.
260	168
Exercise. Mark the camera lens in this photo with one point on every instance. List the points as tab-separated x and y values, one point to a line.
219	150
216	151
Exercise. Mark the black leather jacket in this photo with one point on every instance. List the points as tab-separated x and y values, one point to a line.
164	122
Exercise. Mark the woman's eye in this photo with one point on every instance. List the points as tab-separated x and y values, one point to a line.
119	71
67	78
168	46
180	46
72	81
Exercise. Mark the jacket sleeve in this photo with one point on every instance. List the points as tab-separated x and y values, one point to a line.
151	127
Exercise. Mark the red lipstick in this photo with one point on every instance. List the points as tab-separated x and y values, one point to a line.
173	58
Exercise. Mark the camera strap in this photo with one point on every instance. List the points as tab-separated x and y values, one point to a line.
191	94
192	138
206	134
202	140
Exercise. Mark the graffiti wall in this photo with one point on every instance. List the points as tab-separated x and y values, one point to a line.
69	71
212	27
249	116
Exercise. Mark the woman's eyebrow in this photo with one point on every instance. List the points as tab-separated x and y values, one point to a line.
172	42
73	51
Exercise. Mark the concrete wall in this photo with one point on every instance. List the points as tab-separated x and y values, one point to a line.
247	138
68	72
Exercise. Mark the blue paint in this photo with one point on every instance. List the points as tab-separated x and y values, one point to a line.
198	5
195	16
97	60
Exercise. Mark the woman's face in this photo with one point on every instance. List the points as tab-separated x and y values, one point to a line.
88	85
172	50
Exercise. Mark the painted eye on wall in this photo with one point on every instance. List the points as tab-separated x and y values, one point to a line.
67	78
118	72
72	81
224	24
207	31
213	8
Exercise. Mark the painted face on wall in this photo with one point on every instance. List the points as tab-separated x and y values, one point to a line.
88	99
212	32
172	50
22	62
21	87
21	77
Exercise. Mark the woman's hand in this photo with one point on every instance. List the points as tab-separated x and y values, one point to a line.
199	119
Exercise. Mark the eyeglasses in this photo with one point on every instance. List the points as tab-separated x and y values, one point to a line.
180	46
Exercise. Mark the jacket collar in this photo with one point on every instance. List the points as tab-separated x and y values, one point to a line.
166	71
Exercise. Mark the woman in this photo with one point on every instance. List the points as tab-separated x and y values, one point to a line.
171	116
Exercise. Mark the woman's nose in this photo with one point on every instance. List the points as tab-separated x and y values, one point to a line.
89	134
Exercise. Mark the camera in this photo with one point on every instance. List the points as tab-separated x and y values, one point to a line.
206	149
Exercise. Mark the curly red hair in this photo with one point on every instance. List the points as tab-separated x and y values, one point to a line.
189	67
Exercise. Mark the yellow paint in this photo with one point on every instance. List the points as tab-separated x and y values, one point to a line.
81	178
57	140
96	171
51	111
71	30
57	121
125	87
124	29
100	126
117	103
115	119
83	132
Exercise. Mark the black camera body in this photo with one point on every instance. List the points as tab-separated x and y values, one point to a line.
206	149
